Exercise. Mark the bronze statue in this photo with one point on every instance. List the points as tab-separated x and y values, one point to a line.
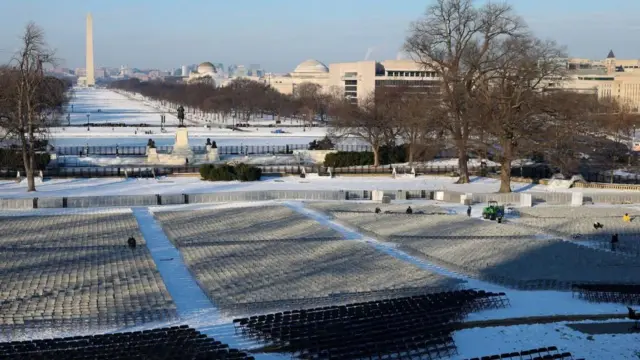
181	116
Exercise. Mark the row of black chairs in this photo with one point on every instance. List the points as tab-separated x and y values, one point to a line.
609	293
417	326
544	353
178	342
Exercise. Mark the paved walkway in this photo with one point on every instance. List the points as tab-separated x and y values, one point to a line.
184	289
194	307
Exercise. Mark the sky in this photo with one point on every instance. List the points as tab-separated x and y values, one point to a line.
279	34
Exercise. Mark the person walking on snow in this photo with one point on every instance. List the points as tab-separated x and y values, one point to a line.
626	218
469	211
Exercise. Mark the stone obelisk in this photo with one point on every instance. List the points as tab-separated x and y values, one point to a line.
91	80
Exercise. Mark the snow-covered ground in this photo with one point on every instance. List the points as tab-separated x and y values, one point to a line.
91	161
73	160
193	185
479	342
118	108
135	140
198	118
449	163
113	107
194	132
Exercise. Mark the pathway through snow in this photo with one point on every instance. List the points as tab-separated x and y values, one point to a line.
187	295
194	307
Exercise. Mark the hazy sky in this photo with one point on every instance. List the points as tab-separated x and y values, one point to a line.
278	34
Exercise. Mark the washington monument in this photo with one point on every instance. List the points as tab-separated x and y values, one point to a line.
91	81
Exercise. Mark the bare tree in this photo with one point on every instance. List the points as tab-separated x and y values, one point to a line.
616	121
365	121
309	99
568	134
456	40
419	123
30	100
512	100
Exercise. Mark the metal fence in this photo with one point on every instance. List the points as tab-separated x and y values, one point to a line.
153	171
222	150
150	171
631	179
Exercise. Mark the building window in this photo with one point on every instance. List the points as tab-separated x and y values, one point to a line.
350	74
351	82
412	85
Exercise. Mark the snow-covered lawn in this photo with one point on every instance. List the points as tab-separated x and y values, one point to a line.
194	132
281	159
113	107
449	163
193	185
479	342
73	160
118	108
141	140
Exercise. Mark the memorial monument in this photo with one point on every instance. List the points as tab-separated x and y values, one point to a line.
89	79
181	148
182	154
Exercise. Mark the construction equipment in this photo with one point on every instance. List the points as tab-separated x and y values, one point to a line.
493	211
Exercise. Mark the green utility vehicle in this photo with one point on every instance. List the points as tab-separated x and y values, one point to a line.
493	211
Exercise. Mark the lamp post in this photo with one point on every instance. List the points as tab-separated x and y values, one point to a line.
631	150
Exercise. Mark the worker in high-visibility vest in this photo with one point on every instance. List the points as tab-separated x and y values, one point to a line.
626	218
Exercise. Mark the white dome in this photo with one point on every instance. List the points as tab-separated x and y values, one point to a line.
311	66
206	67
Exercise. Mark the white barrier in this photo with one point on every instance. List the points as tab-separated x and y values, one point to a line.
577	199
526	200
377	195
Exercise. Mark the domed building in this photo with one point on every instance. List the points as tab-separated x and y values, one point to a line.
312	71
204	72
310	68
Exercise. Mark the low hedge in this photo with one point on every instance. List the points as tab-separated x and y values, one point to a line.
388	155
242	172
12	159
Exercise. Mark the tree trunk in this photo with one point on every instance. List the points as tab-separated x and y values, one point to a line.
505	177
463	158
31	183
376	155
411	146
27	161
505	171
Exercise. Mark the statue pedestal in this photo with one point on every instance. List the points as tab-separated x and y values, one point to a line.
152	155
182	138
212	154
181	148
